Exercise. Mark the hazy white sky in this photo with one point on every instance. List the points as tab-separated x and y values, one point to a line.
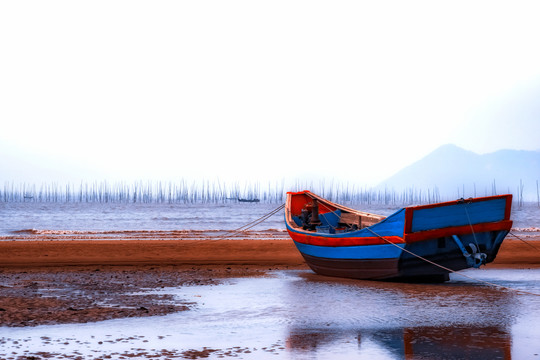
253	89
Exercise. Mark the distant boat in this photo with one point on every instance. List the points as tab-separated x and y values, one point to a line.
249	200
339	241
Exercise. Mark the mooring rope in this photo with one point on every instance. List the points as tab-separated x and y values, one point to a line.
471	225
252	223
450	270
526	242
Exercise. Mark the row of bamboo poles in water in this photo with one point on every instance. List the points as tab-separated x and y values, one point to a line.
220	192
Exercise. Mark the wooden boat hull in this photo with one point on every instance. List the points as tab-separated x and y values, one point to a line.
354	268
415	243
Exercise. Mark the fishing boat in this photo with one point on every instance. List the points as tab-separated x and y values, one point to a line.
416	243
255	200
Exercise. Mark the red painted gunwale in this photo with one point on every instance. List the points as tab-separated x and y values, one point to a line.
409	236
457	230
335	242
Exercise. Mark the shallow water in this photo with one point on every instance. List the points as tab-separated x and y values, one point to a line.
114	217
300	315
118	218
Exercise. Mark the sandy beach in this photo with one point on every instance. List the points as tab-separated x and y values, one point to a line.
263	253
25	254
74	281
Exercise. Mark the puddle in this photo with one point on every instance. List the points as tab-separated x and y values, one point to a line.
299	315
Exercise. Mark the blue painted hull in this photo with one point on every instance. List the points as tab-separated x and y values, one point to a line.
379	262
416	242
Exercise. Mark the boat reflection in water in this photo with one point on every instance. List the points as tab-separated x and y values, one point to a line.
414	343
399	321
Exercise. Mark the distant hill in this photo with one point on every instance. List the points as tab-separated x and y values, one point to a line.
455	172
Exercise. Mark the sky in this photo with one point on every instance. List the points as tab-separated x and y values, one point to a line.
260	90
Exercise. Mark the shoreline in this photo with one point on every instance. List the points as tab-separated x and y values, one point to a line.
201	252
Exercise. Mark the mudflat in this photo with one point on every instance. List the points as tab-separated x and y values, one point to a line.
75	281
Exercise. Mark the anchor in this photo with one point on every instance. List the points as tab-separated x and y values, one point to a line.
475	258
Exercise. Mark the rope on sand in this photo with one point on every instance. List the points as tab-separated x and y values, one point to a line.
526	242
450	270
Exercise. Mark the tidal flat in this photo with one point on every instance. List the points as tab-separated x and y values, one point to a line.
269	313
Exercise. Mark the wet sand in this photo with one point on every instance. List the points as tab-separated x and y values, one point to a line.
79	294
279	316
77	281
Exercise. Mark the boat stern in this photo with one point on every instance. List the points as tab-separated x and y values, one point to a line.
454	235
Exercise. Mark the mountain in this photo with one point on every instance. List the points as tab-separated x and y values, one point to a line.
456	172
